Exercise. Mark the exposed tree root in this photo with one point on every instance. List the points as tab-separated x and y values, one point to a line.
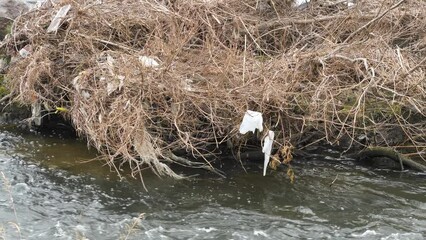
390	153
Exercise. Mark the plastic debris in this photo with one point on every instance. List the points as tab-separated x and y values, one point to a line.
24	53
267	148
57	19
252	120
301	4
116	82
187	85
111	87
148	61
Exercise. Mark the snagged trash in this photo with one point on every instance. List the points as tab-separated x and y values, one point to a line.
148	62
114	84
57	19
85	94
267	148
252	120
301	4
187	85
25	52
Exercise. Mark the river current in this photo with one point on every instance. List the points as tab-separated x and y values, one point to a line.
48	190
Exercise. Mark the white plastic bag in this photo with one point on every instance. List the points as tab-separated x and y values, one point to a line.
148	61
252	120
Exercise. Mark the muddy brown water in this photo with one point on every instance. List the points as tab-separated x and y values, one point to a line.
48	193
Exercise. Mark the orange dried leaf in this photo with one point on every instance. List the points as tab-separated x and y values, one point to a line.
275	162
286	154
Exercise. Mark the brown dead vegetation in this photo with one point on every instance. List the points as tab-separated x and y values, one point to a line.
348	74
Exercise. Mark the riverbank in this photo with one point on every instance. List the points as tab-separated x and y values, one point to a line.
147	82
50	191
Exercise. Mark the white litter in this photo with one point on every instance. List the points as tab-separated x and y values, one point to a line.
252	120
267	148
57	19
110	62
187	85
112	86
127	105
116	82
301	4
24	53
148	62
85	94
121	79
350	3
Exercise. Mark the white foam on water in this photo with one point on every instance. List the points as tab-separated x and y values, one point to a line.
260	233
365	234
59	231
207	229
404	236
21	189
156	233
305	210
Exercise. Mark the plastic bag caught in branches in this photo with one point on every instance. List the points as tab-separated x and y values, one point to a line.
148	61
301	4
267	148
252	120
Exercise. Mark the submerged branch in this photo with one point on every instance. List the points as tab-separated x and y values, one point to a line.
187	163
390	153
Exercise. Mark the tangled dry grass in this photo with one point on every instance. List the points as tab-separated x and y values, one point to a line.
349	74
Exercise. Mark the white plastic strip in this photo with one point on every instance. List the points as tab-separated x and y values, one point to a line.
57	19
267	149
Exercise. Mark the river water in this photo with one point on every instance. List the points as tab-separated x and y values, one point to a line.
47	192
